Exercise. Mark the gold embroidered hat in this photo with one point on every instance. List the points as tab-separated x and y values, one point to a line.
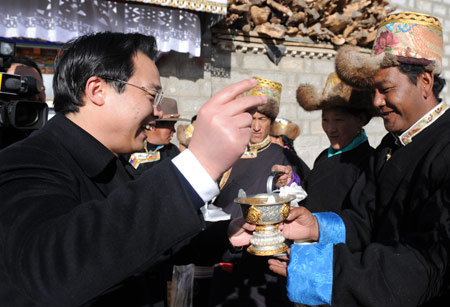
408	37
170	111
335	94
285	127
272	90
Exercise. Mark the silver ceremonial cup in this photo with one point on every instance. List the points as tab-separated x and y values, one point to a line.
267	239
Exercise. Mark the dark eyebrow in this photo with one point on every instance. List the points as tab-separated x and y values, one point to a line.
154	86
384	82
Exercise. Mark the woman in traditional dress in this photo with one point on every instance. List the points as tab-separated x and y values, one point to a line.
345	111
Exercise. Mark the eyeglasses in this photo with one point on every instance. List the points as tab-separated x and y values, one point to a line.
157	94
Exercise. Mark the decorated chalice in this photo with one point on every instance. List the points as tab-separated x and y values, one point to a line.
266	211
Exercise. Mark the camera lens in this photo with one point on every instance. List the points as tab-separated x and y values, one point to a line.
27	114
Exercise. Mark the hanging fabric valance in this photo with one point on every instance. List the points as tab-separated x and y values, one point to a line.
61	20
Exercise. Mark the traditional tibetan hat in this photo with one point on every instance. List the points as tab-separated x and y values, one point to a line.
335	94
184	134
169	108
285	127
409	38
272	90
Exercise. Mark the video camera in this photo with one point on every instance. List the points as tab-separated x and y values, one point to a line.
15	110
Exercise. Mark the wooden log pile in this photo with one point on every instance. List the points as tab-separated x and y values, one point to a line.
331	21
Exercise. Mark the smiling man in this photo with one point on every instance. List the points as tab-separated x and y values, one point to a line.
392	247
78	226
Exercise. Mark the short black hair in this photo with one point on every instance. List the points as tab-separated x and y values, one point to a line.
414	71
27	62
108	55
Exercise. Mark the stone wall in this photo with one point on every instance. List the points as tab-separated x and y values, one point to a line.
193	80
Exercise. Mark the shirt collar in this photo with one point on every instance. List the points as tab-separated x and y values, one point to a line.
406	137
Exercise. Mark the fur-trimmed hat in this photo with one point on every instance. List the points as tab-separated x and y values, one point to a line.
272	90
285	127
409	37
184	134
335	94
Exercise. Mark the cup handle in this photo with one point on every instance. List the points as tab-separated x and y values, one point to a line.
273	177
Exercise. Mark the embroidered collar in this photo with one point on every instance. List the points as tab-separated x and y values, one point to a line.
151	149
260	146
252	149
151	154
406	137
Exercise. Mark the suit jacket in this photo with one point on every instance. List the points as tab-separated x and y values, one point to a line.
397	251
76	229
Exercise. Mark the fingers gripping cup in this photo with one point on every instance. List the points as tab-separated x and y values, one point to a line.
266	211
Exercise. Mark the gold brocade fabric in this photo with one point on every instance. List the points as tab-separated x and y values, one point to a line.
252	150
410	34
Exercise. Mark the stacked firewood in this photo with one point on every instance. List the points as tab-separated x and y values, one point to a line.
337	21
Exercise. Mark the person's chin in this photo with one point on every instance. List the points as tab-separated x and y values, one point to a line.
392	122
336	145
391	127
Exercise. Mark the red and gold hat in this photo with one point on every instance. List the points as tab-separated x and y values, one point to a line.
408	37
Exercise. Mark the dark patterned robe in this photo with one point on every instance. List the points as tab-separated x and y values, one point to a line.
250	174
251	283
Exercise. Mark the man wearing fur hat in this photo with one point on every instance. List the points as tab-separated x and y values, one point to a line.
250	279
392	248
251	171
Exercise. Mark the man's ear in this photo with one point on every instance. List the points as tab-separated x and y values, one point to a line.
95	90
425	83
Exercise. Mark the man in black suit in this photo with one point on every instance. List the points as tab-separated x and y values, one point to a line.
76	229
